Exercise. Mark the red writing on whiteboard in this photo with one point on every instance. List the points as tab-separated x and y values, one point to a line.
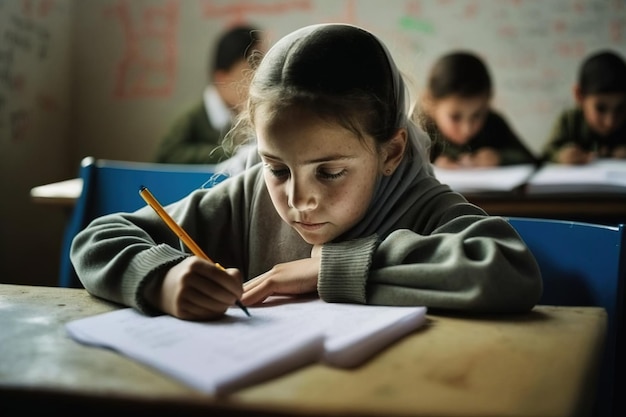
237	10
616	30
571	49
147	67
40	8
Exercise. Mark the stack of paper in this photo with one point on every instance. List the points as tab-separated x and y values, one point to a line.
602	176
476	180
237	351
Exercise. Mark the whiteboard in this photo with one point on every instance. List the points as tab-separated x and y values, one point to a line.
137	64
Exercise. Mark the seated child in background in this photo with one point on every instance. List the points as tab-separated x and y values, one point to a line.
596	127
196	136
344	205
456	113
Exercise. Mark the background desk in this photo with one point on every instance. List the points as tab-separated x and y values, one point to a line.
604	209
538	364
62	193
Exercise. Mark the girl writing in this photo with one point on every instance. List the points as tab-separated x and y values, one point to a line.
457	115
343	204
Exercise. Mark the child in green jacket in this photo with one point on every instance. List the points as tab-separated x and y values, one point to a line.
596	127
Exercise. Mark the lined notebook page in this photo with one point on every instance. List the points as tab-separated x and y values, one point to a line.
237	351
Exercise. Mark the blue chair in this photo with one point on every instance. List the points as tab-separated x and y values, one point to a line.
113	186
584	264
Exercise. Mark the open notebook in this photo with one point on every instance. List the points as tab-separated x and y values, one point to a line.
488	179
599	177
236	351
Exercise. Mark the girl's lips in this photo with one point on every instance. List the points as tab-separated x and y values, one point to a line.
310	226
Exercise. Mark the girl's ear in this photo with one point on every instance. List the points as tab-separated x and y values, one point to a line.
393	151
578	95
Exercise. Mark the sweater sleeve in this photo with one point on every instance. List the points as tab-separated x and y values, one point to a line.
468	262
117	255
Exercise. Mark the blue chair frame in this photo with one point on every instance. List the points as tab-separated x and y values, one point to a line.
584	264
111	186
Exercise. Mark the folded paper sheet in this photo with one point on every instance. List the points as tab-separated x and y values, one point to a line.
237	351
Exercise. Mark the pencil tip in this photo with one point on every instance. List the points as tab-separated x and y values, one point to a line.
244	308
142	187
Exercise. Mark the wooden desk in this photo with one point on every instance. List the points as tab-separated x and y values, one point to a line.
62	193
604	209
537	364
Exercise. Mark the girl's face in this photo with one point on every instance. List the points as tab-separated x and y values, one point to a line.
320	176
604	112
460	118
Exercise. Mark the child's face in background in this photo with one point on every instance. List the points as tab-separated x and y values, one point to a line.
320	176
460	118
604	113
232	84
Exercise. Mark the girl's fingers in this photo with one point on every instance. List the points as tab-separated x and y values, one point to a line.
256	294
210	294
254	282
209	278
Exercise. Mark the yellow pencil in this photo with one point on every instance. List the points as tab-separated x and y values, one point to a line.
180	232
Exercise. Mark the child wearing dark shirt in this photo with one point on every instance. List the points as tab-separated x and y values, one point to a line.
596	127
457	115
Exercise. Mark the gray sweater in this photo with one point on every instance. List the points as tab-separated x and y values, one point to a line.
419	244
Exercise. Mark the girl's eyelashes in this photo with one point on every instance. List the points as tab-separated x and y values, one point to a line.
280	172
328	175
277	172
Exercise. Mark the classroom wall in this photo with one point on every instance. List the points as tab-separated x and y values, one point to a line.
35	106
106	78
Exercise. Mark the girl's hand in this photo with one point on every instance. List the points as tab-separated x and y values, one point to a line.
574	155
290	278
446	162
196	289
619	152
486	157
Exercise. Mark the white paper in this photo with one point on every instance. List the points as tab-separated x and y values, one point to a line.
237	351
600	176
502	178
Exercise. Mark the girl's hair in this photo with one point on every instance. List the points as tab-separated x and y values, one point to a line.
338	72
237	44
602	72
461	74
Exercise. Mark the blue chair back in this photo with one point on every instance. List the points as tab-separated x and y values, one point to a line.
113	186
584	264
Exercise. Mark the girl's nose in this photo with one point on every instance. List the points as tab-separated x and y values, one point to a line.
301	195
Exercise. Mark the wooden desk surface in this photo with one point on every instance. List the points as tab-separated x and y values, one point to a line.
601	208
62	193
537	364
